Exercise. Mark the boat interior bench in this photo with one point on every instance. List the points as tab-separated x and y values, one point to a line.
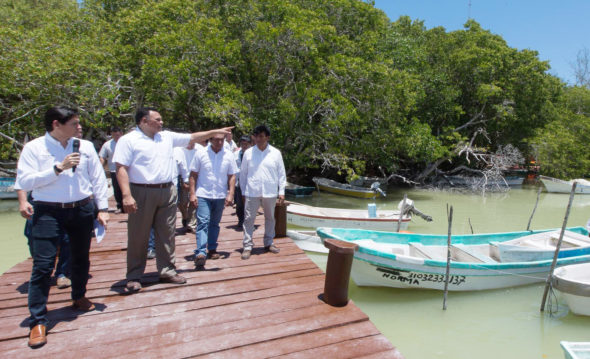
465	253
417	249
572	238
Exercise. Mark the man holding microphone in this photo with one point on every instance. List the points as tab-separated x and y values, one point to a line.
68	185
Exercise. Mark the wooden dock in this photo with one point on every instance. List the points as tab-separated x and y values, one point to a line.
266	306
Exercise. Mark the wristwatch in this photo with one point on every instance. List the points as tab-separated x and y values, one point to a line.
105	210
57	169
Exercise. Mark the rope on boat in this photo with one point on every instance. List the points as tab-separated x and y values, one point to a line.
552	299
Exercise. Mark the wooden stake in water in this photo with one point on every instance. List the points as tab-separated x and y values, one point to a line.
528	227
447	275
401	212
558	246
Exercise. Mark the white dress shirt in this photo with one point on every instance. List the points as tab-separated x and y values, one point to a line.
181	166
230	146
149	161
213	169
106	151
35	172
262	173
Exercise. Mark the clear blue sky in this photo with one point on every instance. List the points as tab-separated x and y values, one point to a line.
557	29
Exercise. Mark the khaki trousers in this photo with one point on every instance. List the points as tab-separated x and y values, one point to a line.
156	207
250	208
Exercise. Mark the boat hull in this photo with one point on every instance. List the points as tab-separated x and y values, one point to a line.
573	282
554	185
7	188
379	267
328	185
385	220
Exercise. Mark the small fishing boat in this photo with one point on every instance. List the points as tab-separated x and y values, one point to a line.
554	185
409	260
540	246
575	350
7	188
573	282
307	241
328	185
296	190
312	217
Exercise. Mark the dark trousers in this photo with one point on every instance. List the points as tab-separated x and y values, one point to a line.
49	225
117	190
239	200
62	269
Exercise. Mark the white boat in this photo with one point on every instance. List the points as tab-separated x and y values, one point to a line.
7	188
540	246
554	185
408	260
313	217
573	282
307	241
575	350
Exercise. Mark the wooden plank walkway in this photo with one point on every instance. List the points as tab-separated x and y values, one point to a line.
267	306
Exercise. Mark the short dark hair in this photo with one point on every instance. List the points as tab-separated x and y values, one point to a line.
115	129
246	138
143	112
260	129
60	113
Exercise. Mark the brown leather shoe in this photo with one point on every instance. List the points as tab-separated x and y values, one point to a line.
133	286
272	249
246	254
83	304
38	336
175	279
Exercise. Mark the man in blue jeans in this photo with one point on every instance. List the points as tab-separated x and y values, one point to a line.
212	183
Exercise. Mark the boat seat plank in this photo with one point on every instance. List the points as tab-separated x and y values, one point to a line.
464	253
419	250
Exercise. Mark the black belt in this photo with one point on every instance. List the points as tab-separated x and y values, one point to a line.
149	185
66	205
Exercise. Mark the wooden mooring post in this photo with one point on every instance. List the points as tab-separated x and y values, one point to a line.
558	247
448	271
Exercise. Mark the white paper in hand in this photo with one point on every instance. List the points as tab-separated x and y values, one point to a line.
98	231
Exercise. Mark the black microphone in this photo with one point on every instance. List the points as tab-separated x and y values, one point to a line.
75	148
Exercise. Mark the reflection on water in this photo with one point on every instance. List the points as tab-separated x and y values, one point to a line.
504	323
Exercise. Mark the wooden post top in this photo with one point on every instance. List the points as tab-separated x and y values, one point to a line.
339	246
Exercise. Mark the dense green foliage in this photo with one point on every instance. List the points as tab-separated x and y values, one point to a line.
342	87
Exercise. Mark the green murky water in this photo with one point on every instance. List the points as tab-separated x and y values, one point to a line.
491	324
503	323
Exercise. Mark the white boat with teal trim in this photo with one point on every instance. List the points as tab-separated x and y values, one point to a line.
540	246
408	260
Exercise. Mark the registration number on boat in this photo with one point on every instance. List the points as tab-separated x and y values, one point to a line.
415	278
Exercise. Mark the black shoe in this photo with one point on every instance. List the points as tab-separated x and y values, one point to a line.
200	260
213	254
184	223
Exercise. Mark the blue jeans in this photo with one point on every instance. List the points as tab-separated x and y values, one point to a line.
152	241
49	225
209	214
